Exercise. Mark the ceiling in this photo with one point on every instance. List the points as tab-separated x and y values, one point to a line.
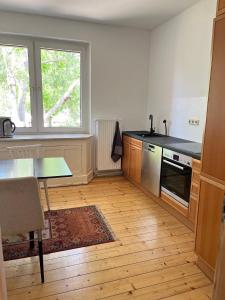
144	14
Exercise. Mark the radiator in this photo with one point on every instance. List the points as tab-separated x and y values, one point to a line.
105	130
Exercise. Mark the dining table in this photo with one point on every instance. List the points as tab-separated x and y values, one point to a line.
41	168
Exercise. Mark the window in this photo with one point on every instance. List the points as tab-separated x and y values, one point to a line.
44	85
14	85
60	72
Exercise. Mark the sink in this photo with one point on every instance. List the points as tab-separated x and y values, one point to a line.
146	135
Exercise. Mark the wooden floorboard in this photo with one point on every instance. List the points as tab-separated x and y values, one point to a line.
152	257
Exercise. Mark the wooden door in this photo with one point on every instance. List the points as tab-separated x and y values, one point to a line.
221	7
213	162
135	163
209	223
126	158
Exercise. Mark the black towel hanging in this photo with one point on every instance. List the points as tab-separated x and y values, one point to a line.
117	147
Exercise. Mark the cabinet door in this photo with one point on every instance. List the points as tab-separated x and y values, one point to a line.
209	222
213	162
195	187
126	158
135	163
221	7
193	207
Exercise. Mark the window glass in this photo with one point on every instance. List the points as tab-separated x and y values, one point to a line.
14	85
44	84
61	99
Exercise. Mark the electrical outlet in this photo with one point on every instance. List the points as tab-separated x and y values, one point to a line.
194	122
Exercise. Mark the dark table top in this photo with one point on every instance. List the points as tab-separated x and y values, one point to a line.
41	168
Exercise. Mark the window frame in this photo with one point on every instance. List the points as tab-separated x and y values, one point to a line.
27	43
34	46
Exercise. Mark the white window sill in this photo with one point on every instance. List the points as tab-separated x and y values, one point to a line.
28	137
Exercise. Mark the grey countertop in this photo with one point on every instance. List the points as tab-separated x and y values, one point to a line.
167	142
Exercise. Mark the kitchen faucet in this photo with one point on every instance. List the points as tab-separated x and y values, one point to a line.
151	128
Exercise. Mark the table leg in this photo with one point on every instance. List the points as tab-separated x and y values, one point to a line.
31	237
46	194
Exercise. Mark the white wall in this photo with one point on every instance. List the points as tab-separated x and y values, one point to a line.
179	70
119	62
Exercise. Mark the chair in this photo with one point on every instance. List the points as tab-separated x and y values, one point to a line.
29	151
3	289
21	211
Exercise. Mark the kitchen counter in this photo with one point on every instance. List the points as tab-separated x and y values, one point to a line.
167	142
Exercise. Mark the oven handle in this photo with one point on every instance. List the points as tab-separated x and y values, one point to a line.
172	164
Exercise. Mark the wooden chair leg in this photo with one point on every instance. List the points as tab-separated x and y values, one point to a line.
40	251
31	237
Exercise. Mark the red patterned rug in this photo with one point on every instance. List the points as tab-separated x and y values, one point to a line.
64	229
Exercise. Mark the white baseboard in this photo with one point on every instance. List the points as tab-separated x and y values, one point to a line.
74	180
108	173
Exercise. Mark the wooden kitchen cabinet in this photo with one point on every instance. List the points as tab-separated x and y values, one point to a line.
132	157
126	158
221	7
135	163
212	178
213	162
211	203
194	195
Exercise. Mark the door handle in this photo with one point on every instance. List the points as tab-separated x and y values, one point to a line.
172	164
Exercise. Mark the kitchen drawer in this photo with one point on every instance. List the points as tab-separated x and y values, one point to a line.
136	142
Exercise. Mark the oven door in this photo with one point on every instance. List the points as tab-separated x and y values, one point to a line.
176	180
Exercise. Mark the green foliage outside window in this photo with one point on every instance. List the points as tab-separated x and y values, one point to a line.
60	72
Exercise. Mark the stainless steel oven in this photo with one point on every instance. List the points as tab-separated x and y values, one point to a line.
176	176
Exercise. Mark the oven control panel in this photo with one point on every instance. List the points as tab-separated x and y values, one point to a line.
178	157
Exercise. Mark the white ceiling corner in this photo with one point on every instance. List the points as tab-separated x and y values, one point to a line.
144	14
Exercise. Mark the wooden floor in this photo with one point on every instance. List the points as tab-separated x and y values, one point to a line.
151	259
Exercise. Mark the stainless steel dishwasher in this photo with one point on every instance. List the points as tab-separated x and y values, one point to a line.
151	168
